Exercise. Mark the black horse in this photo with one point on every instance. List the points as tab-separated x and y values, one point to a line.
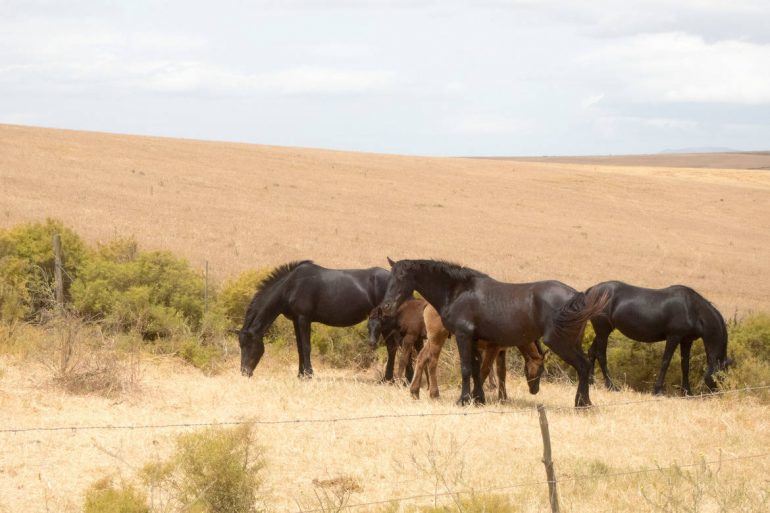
306	293
676	314
474	306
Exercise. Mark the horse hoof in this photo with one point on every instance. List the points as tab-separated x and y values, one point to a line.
415	395
657	391
435	396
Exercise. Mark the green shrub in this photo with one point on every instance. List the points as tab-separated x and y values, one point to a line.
152	292
216	470
343	347
104	497
27	266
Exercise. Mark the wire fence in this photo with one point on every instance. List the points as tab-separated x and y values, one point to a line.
537	483
464	412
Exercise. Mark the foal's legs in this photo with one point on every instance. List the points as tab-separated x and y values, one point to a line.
671	343
407	344
302	327
422	362
684	351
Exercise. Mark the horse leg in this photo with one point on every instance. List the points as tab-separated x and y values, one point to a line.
684	351
407	343
671	343
392	347
601	353
502	394
573	354
490	353
478	383
298	337
422	360
434	351
304	332
469	367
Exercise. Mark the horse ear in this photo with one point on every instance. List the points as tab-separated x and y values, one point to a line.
391	262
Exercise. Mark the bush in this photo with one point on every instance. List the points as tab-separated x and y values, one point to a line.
342	348
235	295
27	266
152	292
104	497
212	471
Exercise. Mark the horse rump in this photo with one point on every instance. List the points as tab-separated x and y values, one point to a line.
581	308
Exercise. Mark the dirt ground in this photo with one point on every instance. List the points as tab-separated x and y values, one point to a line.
241	206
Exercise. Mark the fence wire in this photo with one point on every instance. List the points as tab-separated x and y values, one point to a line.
466	412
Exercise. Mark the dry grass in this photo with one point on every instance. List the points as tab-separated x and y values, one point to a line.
378	459
244	206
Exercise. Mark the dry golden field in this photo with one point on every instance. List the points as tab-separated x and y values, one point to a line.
242	206
388	457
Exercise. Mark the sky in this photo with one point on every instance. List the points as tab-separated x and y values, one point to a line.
518	77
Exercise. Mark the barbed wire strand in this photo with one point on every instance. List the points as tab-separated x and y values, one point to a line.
461	413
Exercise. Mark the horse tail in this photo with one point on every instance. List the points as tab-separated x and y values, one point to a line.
583	306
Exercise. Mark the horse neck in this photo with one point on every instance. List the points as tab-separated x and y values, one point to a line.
714	331
268	308
436	288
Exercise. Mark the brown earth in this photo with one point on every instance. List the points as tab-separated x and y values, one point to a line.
242	206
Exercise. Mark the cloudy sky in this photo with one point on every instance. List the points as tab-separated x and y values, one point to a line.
519	77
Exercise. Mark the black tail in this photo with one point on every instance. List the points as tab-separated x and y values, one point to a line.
573	316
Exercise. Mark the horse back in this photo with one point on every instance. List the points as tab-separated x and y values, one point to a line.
650	315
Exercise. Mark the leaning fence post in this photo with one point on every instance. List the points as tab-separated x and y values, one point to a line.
57	270
553	494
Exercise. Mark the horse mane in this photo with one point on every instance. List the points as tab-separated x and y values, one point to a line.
265	286
451	269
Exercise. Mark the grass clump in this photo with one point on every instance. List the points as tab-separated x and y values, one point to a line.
217	470
105	497
235	295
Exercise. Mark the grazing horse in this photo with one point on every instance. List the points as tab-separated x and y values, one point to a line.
305	293
474	307
405	330
676	314
534	359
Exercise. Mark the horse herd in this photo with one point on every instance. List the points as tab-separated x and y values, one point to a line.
483	314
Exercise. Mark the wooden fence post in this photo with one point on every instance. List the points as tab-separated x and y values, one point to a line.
553	494
57	271
206	289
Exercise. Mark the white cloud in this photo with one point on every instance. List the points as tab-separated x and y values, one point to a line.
676	67
592	100
486	125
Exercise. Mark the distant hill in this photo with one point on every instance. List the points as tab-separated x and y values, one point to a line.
245	206
702	149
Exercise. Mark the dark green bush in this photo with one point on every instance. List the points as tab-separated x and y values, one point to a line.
343	347
27	266
152	292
